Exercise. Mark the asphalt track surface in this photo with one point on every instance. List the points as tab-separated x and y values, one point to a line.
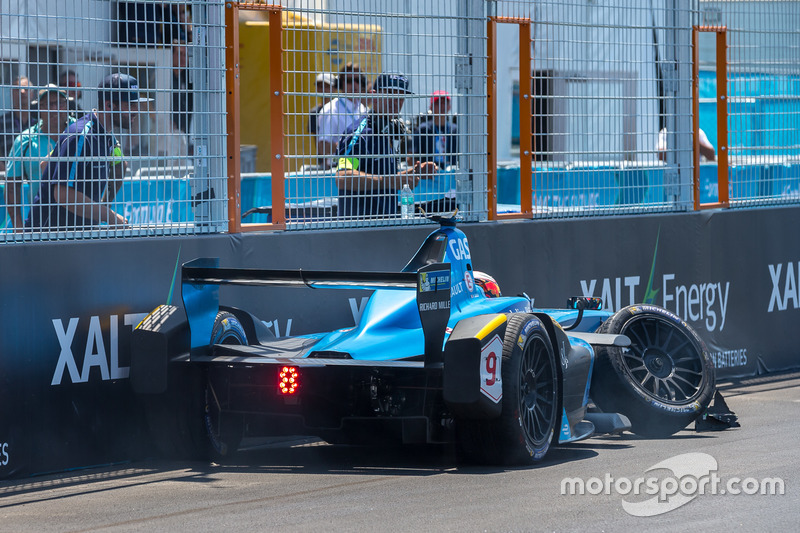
296	486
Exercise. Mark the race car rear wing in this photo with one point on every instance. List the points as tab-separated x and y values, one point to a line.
200	280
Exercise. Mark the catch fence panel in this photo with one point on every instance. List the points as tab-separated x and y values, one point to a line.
332	57
147	156
609	87
763	87
610	84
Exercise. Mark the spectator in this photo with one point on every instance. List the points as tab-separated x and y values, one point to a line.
338	115
706	148
31	148
182	97
16	120
434	138
325	86
76	185
366	172
68	79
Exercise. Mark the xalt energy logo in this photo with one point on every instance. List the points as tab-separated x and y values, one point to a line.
98	352
785	292
700	303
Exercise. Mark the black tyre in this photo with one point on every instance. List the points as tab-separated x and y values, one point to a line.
228	330
662	381
175	419
225	430
530	405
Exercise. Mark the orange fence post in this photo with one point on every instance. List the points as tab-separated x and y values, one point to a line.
232	116
276	120
525	119
491	107
232	100
722	116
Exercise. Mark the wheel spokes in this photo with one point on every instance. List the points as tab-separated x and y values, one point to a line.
662	360
537	393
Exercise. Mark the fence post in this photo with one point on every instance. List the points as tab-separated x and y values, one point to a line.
232	116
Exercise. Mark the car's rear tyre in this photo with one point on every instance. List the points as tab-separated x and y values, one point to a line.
530	414
174	418
225	430
228	330
662	381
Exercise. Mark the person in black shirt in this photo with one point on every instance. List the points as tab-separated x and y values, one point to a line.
366	168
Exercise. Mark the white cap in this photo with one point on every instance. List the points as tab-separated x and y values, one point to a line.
327	78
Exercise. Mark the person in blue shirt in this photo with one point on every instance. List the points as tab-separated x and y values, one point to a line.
75	184
366	169
31	149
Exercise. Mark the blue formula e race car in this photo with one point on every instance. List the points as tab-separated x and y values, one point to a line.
438	356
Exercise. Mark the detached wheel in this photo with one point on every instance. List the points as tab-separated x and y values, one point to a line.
225	430
530	405
662	381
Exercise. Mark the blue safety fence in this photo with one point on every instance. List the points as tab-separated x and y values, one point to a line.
155	201
5	221
313	196
143	202
762	112
586	188
574	189
771	182
595	189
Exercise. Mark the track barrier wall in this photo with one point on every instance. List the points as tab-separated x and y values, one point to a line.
580	93
65	394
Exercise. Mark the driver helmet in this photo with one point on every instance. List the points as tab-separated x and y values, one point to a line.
486	282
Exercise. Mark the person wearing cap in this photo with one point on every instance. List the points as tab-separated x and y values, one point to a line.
76	182
435	137
68	80
17	119
31	149
325	85
366	170
339	114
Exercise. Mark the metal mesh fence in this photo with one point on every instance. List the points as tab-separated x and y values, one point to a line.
591	115
610	111
763	88
113	122
377	95
611	103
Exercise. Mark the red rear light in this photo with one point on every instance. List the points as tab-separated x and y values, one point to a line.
288	380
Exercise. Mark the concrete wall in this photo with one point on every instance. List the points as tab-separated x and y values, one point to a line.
69	308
